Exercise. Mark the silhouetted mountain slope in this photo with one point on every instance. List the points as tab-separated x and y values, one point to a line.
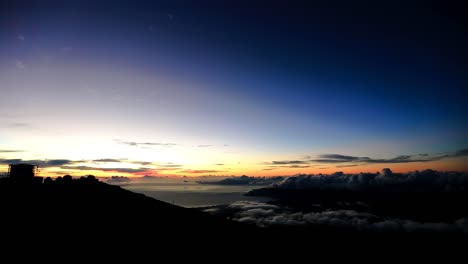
82	207
94	214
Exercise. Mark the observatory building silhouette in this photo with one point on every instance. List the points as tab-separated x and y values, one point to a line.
24	173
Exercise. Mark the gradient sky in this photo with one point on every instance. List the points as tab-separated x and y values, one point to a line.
178	88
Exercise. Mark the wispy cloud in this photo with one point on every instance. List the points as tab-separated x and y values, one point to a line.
352	161
121	170
40	163
200	171
337	158
10	150
204	146
287	162
107	160
20	124
145	144
346	166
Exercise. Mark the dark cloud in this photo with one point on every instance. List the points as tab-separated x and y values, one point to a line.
169	165
40	163
20	124
55	163
11	161
351	160
118	180
122	170
245	180
345	166
121	161
219	164
201	171
427	180
264	215
145	144
291	166
10	151
107	160
298	166
337	158
461	153
287	162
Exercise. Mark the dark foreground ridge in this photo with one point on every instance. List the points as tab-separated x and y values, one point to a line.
88	212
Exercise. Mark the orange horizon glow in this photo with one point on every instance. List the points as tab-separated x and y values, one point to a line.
452	164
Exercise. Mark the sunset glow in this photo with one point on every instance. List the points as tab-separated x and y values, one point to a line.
140	92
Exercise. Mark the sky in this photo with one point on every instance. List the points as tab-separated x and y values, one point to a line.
208	88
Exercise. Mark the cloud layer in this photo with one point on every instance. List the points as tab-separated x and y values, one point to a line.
343	161
427	180
40	163
245	180
265	215
145	144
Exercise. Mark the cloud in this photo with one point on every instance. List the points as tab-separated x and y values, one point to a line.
287	162
219	164
427	180
346	166
20	37
338	158
40	163
19	64
245	180
107	160
10	151
461	153
201	171
168	167
351	161
204	146
297	166
144	144
110	160
247	205
122	170
118	180
20	124
265	215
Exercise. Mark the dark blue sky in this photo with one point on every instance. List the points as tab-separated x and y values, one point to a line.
298	74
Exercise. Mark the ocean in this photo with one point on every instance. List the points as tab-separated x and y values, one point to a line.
187	192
